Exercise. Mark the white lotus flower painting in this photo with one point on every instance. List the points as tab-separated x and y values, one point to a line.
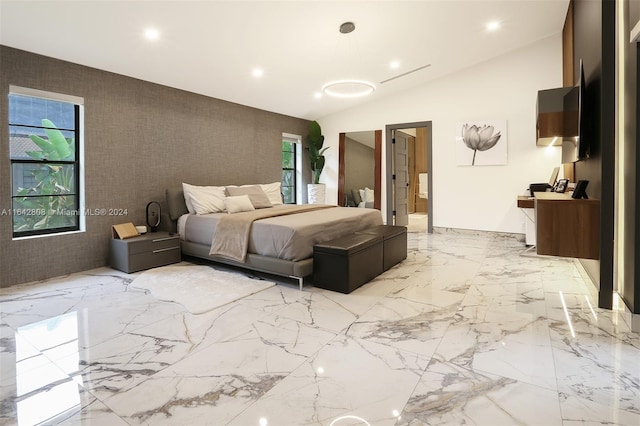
481	143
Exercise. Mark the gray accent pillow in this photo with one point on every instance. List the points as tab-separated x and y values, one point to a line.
356	196
257	196
176	204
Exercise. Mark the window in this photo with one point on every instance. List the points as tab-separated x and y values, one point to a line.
289	156
44	141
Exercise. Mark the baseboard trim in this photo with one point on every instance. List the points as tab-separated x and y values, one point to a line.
479	233
629	318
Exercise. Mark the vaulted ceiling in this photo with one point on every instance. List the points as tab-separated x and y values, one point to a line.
213	47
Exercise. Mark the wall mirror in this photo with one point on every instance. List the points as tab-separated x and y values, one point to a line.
359	169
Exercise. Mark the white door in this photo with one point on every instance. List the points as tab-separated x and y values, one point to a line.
401	179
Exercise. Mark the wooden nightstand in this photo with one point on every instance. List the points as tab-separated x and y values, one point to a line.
145	251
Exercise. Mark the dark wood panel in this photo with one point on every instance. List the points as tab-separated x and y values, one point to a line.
341	169
568	227
569	171
525	202
550	124
567	48
378	170
421	166
413	178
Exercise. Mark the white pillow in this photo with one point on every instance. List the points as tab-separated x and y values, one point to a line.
368	195
204	199
238	203
187	198
273	192
362	195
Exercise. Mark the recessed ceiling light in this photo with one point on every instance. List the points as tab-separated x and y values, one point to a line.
151	34
493	25
317	95
394	64
257	72
348	88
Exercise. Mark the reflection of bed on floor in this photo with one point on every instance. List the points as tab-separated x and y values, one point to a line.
280	245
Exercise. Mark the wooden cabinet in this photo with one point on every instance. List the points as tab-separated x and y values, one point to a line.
146	251
567	227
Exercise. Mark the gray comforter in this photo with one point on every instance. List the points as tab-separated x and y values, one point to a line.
289	237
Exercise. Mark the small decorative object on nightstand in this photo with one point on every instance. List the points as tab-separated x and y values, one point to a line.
144	252
153	216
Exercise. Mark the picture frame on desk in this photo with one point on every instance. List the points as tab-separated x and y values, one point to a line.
580	190
562	185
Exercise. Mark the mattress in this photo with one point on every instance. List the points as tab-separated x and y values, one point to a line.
289	237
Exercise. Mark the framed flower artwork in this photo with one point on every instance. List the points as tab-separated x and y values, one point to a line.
481	143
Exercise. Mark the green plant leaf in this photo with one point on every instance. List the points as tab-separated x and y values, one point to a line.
314	131
44	145
36	155
315	140
58	141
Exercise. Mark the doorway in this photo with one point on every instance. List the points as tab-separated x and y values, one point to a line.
404	192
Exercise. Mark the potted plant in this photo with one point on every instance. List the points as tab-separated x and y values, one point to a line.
315	140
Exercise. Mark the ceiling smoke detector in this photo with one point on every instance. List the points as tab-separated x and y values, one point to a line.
347	27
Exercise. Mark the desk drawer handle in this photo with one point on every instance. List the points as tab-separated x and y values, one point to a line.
164	239
165	249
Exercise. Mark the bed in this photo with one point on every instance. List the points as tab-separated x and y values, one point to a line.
277	244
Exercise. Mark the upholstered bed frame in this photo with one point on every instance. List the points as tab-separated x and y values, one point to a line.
292	269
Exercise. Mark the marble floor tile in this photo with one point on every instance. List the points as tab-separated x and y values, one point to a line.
413	319
449	394
221	380
472	328
599	368
510	345
65	403
526	298
347	380
579	411
331	310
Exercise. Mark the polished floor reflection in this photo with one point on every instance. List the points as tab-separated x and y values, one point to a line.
470	329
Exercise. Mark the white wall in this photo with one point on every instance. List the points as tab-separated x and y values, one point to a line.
504	88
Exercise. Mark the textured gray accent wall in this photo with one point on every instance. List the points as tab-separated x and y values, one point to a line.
140	138
359	163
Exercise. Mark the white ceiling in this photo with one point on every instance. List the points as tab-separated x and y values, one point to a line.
211	47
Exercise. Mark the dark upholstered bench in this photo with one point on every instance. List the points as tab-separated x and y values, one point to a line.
346	263
394	247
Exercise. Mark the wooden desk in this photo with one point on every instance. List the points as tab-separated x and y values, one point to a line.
567	227
525	202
